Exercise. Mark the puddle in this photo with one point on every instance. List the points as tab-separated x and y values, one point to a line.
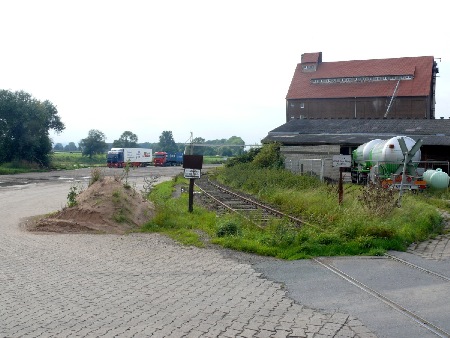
11	184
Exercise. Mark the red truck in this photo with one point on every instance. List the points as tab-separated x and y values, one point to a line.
164	159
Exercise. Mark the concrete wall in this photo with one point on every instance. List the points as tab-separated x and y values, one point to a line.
312	160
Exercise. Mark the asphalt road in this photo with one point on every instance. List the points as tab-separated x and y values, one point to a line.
145	285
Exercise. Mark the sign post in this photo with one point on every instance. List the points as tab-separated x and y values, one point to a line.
341	161
192	165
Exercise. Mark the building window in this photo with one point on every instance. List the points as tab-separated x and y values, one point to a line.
302	105
309	67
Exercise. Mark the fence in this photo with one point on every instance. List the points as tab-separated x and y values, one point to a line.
324	170
319	167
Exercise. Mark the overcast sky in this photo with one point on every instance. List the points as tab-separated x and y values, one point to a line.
214	68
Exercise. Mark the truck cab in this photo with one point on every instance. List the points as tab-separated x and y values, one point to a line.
164	159
159	159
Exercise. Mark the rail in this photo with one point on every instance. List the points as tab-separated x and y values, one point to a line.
240	204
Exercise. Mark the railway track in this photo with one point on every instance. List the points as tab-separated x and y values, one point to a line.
222	199
413	314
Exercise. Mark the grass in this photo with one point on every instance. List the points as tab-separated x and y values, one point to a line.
18	167
59	160
62	160
355	227
173	218
75	160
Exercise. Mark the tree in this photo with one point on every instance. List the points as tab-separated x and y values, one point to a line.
71	147
235	140
25	123
58	147
126	140
198	150
95	143
167	143
269	156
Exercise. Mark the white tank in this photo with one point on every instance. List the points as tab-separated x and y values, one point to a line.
362	153
390	151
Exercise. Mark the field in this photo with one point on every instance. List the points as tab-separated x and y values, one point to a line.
73	160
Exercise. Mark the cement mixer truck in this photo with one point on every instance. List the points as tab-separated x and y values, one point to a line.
386	160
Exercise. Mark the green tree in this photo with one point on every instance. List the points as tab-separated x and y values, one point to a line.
269	156
95	143
126	140
58	147
167	143
235	140
245	157
71	147
226	151
198	150
25	123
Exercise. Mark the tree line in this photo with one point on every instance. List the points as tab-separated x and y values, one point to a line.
26	122
95	143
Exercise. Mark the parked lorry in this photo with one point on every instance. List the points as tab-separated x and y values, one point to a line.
164	159
137	157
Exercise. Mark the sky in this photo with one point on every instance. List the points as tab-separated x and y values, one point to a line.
206	68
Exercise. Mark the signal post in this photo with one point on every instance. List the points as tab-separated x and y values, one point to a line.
192	165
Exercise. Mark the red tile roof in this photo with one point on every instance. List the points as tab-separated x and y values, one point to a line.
421	67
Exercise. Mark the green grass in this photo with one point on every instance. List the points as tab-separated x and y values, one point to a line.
173	218
59	160
214	159
75	160
331	229
18	167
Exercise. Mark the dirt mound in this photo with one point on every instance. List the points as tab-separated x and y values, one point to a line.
106	206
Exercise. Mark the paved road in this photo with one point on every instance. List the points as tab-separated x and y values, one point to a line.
138	285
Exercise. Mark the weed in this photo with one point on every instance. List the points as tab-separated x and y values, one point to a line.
377	199
126	173
116	196
72	196
96	175
120	216
149	183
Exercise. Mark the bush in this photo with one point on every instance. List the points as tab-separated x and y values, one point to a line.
269	157
246	157
228	227
96	175
72	196
378	200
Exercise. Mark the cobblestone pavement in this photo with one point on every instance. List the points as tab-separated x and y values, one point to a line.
138	285
437	248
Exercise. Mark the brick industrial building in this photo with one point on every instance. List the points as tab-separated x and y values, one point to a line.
333	107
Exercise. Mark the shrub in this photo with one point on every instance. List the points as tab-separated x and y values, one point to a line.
72	197
269	156
96	175
228	227
378	200
246	157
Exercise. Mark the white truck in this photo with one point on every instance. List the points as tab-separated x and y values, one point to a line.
136	157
